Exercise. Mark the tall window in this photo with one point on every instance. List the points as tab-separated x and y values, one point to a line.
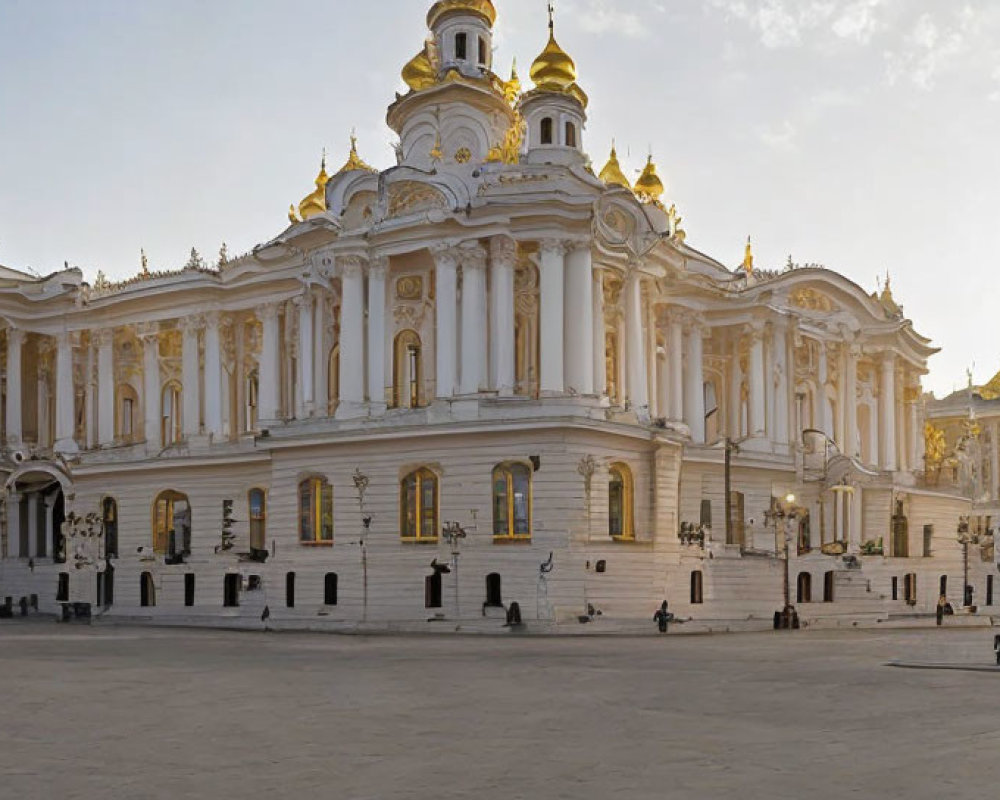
170	414
128	406
737	525
407	373
330	589
828	587
546	130
171	524
482	51
252	402
804	593
620	503
570	134
109	516
611	370
697	587
418	506
461	46
512	501
257	502
316	512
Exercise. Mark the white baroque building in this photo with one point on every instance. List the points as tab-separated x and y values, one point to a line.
487	336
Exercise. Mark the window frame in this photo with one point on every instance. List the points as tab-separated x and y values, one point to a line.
320	495
546	131
569	132
507	470
419	475
461	46
172	424
258	521
624	473
170	497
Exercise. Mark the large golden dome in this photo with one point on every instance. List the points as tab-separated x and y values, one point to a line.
484	8
553	70
419	73
612	173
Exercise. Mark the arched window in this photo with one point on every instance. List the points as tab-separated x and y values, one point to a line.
570	134
620	502
494	592
461	46
109	518
257	503
330	589
316	512
546	130
697	587
512	501
171	431
804	593
128	410
333	379
171	524
407	371
418	506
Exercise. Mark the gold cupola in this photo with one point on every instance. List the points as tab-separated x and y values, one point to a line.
649	187
554	70
483	8
748	257
612	173
314	203
354	162
419	73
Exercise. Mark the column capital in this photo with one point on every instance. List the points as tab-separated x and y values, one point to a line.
351	266
190	325
212	319
552	246
503	250
147	331
103	337
268	311
15	336
378	266
472	256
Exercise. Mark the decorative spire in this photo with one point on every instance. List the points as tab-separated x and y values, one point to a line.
612	173
649	187
313	203
354	162
512	88
748	257
144	262
554	70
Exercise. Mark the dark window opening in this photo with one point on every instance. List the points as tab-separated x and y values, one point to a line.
570	134
482	51
737	525
231	591
290	590
110	520
189	589
989	590
147	590
895	588
546	131
804	593
62	591
330	589
900	533
697	588
928	540
943	590
432	591
494	594
106	587
58	518
461	46
828	583
910	588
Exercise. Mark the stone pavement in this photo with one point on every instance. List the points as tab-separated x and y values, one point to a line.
119	712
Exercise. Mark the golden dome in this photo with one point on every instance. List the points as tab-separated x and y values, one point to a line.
314	203
612	173
354	162
484	8
649	187
419	73
553	70
748	257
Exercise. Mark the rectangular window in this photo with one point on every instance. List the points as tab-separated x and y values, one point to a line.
928	540
482	51
828	585
461	46
895	588
189	589
315	511
989	590
258	517
737	525
128	408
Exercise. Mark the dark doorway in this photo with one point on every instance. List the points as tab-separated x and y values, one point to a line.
330	589
494	591
895	588
109	510
189	589
58	518
828	587
432	591
989	590
290	590
804	594
106	587
147	590
62	591
943	590
231	591
697	587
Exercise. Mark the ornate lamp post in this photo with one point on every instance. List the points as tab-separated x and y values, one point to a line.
784	514
454	533
361	485
966	537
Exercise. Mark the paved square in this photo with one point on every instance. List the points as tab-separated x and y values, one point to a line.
130	713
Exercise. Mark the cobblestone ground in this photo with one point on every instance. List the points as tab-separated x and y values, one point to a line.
133	713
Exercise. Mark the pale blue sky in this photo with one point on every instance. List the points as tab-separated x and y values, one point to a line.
860	134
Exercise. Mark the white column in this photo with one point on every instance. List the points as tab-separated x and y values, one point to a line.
49	526
190	377
823	407
446	308
104	340
32	526
782	392
377	270
352	345
151	386
598	334
652	362
552	282
994	456
635	351
15	340
694	403
756	367
675	364
887	414
13	506
578	327
473	342
321	401
503	257
65	395
213	378
268	372
304	304
855	521
735	389
915	462
850	379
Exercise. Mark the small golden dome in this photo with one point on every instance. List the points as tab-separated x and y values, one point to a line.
419	73
612	173
748	257
649	187
314	203
553	70
354	162
484	8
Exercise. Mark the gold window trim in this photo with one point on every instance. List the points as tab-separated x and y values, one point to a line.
507	471
420	475
316	486
624	475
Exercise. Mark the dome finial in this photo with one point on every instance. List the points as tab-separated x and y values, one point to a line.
612	174
748	257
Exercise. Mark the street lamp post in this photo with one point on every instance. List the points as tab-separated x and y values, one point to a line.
965	537
454	533
361	485
784	514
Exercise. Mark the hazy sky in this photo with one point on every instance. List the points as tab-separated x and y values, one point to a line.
859	134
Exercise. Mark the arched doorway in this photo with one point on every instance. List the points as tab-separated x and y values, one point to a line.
36	511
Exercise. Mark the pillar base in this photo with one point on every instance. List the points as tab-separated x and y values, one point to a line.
349	410
67	447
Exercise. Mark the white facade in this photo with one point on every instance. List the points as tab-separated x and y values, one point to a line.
485	334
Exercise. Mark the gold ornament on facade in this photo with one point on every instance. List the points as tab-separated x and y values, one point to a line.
675	220
811	300
313	203
354	162
512	88
411	197
410	287
748	258
649	187
991	390
463	155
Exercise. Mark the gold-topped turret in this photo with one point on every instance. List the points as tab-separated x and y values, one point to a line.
484	8
554	70
612	173
314	203
649	187
354	162
748	257
419	72
512	88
